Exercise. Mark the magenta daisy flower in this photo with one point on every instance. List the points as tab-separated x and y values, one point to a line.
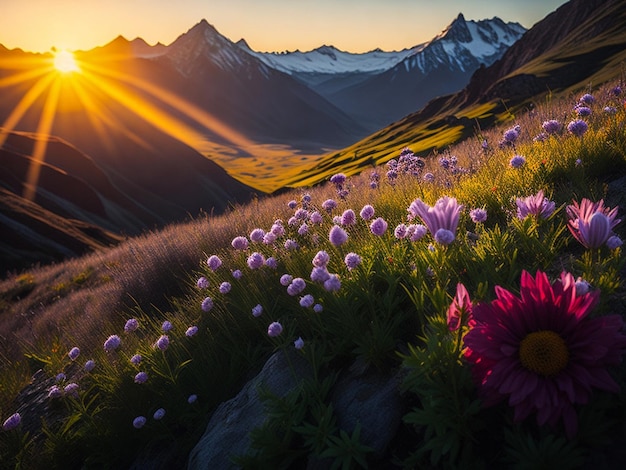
542	350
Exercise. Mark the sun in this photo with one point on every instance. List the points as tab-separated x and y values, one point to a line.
65	62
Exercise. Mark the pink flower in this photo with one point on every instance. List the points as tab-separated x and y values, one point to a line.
460	308
542	350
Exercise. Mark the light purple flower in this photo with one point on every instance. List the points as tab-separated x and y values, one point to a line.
141	377
306	198
303	230
317	308
202	283
159	414
333	283
337	220
12	422
517	161
301	214
240	243
511	135
207	304
367	212
478	215
352	260
286	279
257	235
338	179
319	274
614	242
307	301
192	399
191	331
113	342
237	273
348	217
292	204
278	229
274	329
316	218
71	389
321	259
537	205
292	221
429	177
269	238
577	127
337	235
257	310
443	215
587	99
271	262
444	236
290	244
136	359
131	325
89	365
582	286
299	343
400	231
610	109
591	223
552	126
139	422
167	326
225	287
296	287
256	260
55	392
74	353
214	262
60	377
416	232
162	343
328	205
378	226
583	111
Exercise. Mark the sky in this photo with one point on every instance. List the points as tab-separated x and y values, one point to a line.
267	25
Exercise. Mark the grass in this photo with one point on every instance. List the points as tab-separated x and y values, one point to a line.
388	314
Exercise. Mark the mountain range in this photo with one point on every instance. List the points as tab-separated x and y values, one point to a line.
154	134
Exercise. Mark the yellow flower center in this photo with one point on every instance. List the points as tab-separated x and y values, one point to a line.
544	353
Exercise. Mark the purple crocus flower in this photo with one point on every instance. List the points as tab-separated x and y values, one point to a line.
591	223
367	212
352	260
202	283
225	287
162	343
444	215
537	205
141	377
214	262
55	392
89	365
139	422
191	331
317	308
71	389
207	304
478	215
131	325
274	329
517	161
256	260
378	226
113	342
159	414
60	377
74	353
577	127
239	243
12	422
307	301
257	310
321	259
337	235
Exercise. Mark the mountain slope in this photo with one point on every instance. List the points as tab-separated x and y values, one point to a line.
581	42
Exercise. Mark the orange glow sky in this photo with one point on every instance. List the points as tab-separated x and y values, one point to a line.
267	25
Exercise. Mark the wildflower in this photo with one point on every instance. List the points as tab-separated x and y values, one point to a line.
333	283
542	350
303	230
378	226
319	274
306	199
616	91
60	377
400	231
337	220
257	310
610	109
328	205
162	343
192	399
74	353
274	329
367	212
296	286
257	235
167	326
89	365
542	137
271	262
202	283
337	235
307	301
55	392
71	389
338	179
292	204
352	260
225	287
285	279
12	422
113	342
582	287
136	359
321	259
591	223
131	325
416	232
460	308
256	260
317	308
614	242
237	273
277	229
291	244
159	414
239	243
348	217
517	161
444	236
587	99
315	218
191	331
551	126
578	162
139	422
214	262
577	127
207	304
537	205
299	343
443	215
429	177
141	377
511	135
478	215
